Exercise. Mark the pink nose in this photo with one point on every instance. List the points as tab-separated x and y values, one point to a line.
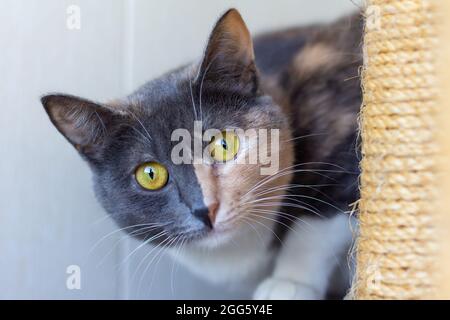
212	212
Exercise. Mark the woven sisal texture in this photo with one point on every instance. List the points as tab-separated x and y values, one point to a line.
443	277
396	249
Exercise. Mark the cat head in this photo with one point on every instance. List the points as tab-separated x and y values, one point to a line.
130	146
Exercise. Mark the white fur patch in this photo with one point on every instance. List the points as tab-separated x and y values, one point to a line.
308	258
279	289
244	260
303	267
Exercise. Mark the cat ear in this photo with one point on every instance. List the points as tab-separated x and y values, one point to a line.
83	122
229	58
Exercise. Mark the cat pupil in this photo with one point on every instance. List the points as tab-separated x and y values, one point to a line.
224	145
150	172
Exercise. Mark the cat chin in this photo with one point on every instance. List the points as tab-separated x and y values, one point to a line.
236	257
216	238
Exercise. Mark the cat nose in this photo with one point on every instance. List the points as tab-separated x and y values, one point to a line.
203	215
207	214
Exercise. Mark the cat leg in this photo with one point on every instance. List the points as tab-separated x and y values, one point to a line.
309	255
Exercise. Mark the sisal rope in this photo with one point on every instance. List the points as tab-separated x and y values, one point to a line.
396	248
443	277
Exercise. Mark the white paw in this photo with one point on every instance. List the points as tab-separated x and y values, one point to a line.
280	289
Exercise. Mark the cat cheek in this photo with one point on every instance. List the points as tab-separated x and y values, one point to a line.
208	182
235	180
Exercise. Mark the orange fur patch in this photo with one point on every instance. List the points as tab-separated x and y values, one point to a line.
315	57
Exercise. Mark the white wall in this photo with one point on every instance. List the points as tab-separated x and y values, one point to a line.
49	218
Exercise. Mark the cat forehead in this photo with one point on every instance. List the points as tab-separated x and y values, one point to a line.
176	100
182	87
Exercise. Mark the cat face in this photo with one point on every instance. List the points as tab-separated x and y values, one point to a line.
130	149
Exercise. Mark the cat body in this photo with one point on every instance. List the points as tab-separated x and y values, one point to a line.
285	233
312	73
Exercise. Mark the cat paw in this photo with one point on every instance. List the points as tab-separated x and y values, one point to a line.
279	289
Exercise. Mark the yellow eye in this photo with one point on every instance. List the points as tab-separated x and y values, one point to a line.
152	175
225	147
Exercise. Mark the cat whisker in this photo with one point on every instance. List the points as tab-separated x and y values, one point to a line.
100	220
320	201
192	99
273	220
282	171
298	204
271	195
122	229
157	247
144	138
290	187
256	186
287	204
335	257
312	171
126	236
261	241
140	122
302	204
282	174
179	246
287	195
201	87
263	225
305	136
291	229
145	242
157	259
287	216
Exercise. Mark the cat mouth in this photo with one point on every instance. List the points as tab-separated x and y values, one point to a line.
222	229
204	234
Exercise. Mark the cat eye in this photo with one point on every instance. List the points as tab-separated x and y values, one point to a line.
225	147
151	175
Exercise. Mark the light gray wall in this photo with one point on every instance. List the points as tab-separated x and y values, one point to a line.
49	218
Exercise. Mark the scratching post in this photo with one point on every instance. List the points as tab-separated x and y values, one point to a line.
443	277
397	245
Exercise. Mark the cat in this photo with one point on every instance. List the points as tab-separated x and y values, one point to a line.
286	234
